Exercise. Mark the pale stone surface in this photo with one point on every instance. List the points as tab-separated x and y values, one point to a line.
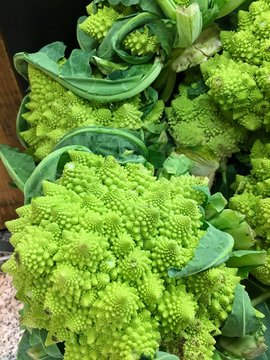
10	332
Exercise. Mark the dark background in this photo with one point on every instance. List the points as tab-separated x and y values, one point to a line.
28	25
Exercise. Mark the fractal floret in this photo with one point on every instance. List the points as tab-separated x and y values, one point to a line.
54	110
92	256
238	80
252	199
198	125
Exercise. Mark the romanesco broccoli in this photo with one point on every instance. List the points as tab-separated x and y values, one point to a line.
54	110
91	260
239	78
201	130
252	199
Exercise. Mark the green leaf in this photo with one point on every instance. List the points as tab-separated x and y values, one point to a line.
106	50
214	249
263	307
104	141
32	346
47	169
18	165
75	71
227	219
54	51
51	350
229	7
21	123
106	66
216	356
243	235
23	347
216	203
46	58
176	165
243	319
77	67
85	41
243	258
151	7
165	30
161	355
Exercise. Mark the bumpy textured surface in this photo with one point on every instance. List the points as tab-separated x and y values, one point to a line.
141	42
252	199
182	2
91	259
198	123
55	110
239	78
98	24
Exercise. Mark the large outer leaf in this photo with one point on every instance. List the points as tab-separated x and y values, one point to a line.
263	307
18	164
48	169
21	124
242	320
130	82
85	41
161	355
152	7
32	346
242	258
104	141
214	248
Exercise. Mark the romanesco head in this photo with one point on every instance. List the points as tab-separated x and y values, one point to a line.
92	256
198	124
53	110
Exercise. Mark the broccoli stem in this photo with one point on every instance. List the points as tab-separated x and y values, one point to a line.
229	7
168	7
261	298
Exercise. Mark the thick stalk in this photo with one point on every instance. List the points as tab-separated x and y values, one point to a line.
261	298
229	7
168	7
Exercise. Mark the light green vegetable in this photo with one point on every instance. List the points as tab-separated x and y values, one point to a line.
53	111
238	79
252	200
92	255
202	132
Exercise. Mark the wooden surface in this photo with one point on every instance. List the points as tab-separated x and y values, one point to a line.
10	98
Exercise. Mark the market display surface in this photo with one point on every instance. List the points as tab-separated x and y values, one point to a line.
145	231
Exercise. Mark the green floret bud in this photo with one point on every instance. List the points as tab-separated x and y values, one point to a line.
203	348
97	25
176	310
262	273
141	42
209	126
117	303
215	291
135	266
127	116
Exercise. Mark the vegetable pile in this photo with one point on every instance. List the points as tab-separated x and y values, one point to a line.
145	231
